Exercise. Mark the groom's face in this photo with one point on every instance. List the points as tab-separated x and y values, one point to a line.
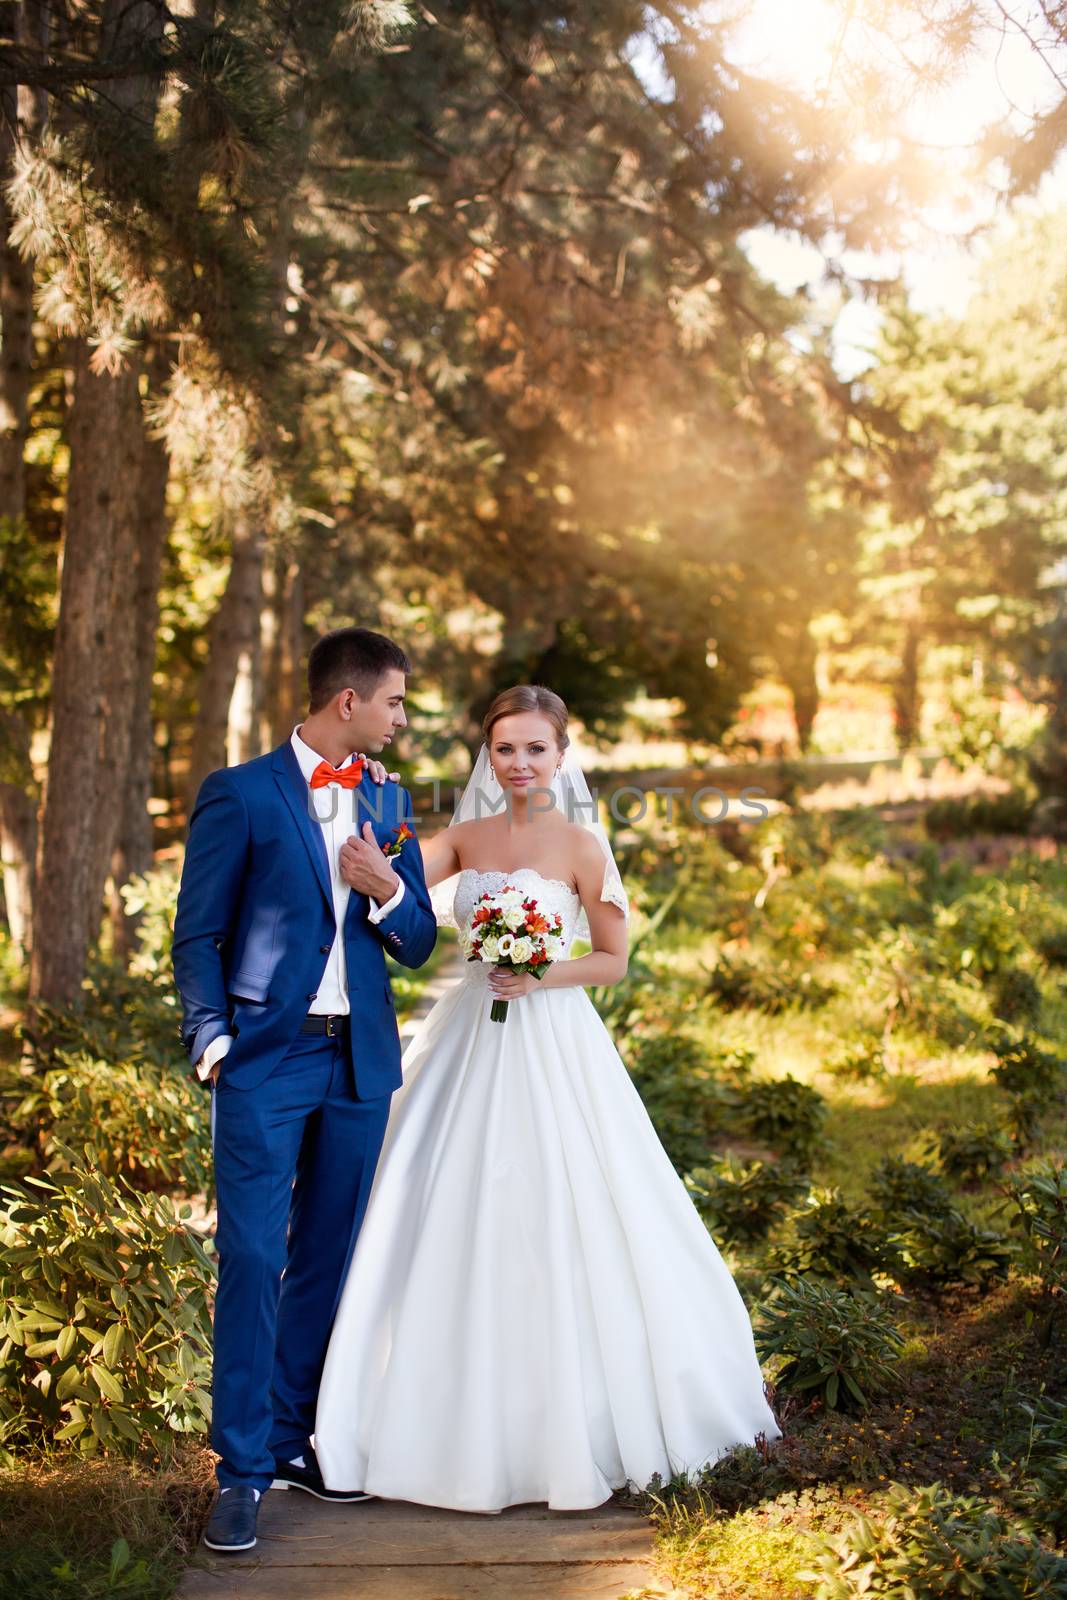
377	720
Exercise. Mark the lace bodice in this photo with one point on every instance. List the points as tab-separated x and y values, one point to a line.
551	894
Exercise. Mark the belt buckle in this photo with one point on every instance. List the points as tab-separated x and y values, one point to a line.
330	1033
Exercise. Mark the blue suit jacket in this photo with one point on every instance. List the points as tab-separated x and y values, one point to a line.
255	921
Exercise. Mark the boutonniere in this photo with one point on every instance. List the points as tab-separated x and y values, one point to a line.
394	847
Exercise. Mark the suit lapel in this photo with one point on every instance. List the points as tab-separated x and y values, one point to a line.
293	785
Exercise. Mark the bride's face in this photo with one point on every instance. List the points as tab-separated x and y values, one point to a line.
524	751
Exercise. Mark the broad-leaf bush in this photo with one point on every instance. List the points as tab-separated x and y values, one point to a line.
741	1200
841	1347
105	1335
929	1542
149	1124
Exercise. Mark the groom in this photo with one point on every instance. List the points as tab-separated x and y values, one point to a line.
298	877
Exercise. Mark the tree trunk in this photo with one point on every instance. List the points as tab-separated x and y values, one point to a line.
94	670
21	118
906	689
225	720
21	115
18	835
799	673
133	845
282	638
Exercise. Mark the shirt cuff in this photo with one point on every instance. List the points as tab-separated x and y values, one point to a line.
214	1052
376	913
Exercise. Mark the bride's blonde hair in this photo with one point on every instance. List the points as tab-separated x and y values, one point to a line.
528	697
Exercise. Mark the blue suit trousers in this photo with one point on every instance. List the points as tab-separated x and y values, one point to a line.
294	1163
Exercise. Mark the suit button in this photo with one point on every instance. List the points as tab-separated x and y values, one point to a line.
324	949
313	993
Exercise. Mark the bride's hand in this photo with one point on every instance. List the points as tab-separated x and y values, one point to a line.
507	985
377	770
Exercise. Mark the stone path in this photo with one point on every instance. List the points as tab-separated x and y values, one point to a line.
388	1550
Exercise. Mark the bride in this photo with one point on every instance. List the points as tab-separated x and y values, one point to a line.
534	1310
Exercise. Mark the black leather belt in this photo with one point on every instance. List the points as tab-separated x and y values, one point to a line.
334	1027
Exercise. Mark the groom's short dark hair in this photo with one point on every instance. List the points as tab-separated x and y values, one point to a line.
351	658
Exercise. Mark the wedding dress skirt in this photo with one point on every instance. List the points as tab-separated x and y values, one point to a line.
534	1309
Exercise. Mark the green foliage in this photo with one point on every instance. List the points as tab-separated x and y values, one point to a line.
1036	1483
741	1200
980	932
900	1185
737	982
859	1060
1016	996
786	1114
686	1101
929	1542
106	1336
828	1238
1031	1075
903	972
972	1152
937	1250
149	1124
1052	945
844	1346
1037	1202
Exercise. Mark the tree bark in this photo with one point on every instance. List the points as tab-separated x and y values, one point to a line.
18	834
226	717
906	689
282	638
133	845
799	673
21	115
94	670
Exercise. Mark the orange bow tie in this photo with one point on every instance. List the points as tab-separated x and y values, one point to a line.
348	777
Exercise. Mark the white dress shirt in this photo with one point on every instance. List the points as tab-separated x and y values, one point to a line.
332	996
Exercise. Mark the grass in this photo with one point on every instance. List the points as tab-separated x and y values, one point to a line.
66	1520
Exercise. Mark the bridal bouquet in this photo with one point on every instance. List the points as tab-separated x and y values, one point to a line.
507	930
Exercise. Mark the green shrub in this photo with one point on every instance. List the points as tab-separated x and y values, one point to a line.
1052	945
1032	1076
842	1345
900	1186
971	1152
930	1543
740	1201
937	1249
859	1061
149	1124
1037	1203
904	972
786	1114
1035	1482
105	1336
1016	996
960	818
737	982
980	931
828	1238
685	1100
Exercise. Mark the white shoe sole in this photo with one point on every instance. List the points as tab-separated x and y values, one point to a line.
334	1497
225	1549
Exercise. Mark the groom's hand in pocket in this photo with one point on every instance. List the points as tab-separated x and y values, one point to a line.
364	868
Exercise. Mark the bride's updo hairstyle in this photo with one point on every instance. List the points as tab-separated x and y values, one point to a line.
528	697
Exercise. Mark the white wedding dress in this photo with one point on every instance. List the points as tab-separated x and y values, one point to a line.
534	1309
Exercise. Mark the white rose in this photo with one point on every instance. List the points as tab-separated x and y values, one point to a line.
489	948
505	944
509	897
515	917
521	951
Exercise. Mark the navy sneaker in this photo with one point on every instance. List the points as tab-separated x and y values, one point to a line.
233	1521
287	1475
